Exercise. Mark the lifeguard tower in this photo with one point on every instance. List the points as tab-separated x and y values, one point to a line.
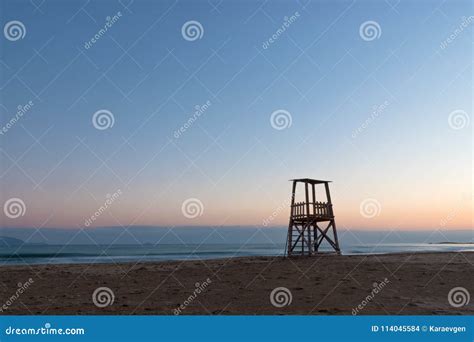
305	235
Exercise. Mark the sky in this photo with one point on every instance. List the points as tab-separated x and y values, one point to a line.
199	112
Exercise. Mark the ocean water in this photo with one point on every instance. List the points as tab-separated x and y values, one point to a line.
141	244
56	254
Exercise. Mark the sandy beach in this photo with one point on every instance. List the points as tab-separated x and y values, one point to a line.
400	284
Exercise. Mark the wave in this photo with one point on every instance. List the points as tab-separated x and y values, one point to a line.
75	254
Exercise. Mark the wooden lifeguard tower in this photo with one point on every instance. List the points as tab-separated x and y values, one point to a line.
305	236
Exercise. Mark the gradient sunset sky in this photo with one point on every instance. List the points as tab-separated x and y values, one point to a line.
412	158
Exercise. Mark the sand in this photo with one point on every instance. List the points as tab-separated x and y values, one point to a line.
407	284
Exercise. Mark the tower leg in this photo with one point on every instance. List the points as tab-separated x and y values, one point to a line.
316	245
336	241
291	223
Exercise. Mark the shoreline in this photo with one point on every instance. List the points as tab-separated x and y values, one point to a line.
143	259
414	283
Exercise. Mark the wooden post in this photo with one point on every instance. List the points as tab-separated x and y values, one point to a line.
331	213
308	218
328	195
290	225
313	228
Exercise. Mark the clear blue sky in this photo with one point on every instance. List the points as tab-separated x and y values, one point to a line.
320	70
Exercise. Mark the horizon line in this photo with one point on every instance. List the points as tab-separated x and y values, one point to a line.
238	226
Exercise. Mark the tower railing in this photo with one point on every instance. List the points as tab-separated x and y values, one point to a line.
299	210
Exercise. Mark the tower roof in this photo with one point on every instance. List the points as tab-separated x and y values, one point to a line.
310	180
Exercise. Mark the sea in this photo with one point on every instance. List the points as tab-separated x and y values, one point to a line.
157	245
